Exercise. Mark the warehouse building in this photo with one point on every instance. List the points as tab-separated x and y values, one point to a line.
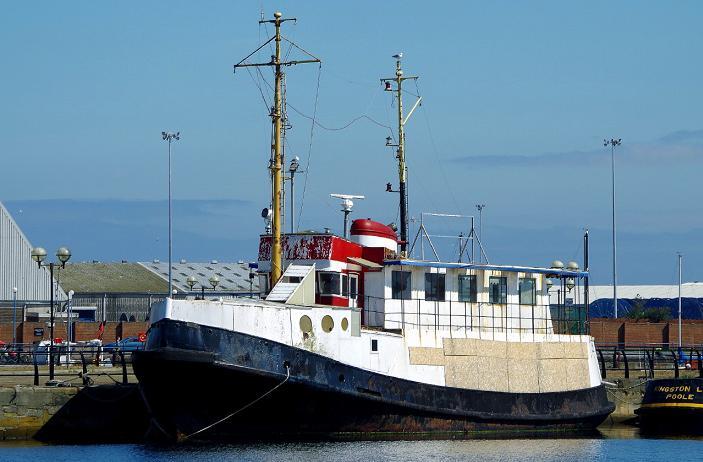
120	291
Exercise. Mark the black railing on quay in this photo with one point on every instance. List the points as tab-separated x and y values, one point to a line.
38	355
649	359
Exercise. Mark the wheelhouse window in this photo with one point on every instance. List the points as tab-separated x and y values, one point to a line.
401	285
498	290
329	283
467	288
345	285
527	291
434	287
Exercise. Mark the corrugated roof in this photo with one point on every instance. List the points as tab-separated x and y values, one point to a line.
110	278
234	277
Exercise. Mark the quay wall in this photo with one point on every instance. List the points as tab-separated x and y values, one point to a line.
105	413
31	332
627	396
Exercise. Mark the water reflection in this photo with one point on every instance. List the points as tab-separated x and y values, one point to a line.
614	444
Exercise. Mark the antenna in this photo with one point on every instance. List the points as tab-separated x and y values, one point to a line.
347	204
400	152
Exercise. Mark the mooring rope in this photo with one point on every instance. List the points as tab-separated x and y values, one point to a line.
151	414
185	437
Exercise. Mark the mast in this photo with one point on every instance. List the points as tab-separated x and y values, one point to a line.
680	258
400	153
276	161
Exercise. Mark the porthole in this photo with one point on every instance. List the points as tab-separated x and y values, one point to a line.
327	323
305	324
341	378
345	324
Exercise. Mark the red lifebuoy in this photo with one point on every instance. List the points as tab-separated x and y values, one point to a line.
141	337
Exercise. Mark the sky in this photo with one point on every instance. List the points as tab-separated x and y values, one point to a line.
517	99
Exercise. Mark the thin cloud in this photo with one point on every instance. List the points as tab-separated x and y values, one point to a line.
682	145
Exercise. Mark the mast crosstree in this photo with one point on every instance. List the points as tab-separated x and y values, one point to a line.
400	153
276	163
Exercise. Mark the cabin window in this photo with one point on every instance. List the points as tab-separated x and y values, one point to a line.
434	287
467	288
527	291
329	283
401	285
353	289
498	290
345	285
374	345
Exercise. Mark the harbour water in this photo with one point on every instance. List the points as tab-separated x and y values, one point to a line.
612	445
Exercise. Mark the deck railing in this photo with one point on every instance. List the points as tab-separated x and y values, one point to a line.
490	319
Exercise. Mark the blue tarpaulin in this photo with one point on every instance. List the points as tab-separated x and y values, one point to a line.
691	308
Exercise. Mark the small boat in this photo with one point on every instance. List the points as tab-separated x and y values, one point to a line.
672	406
353	338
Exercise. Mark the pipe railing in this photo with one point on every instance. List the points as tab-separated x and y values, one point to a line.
493	318
649	359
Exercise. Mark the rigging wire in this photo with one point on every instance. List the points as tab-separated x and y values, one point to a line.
312	132
258	85
324	127
436	153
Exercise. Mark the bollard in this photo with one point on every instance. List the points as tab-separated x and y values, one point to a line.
86	380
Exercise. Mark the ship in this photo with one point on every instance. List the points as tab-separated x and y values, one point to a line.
353	337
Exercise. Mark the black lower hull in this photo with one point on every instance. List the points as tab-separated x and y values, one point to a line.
192	376
672	407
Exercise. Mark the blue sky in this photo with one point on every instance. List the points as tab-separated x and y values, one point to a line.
517	99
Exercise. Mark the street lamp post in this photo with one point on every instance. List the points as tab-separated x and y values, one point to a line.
214	282
39	255
69	324
168	136
612	143
14	315
294	164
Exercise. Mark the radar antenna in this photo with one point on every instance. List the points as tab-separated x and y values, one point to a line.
347	204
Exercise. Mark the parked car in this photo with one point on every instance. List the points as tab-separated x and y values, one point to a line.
126	344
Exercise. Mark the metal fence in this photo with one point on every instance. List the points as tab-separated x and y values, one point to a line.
77	360
649	360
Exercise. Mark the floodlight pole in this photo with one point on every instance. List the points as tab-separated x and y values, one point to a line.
680	258
613	142
170	137
14	315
